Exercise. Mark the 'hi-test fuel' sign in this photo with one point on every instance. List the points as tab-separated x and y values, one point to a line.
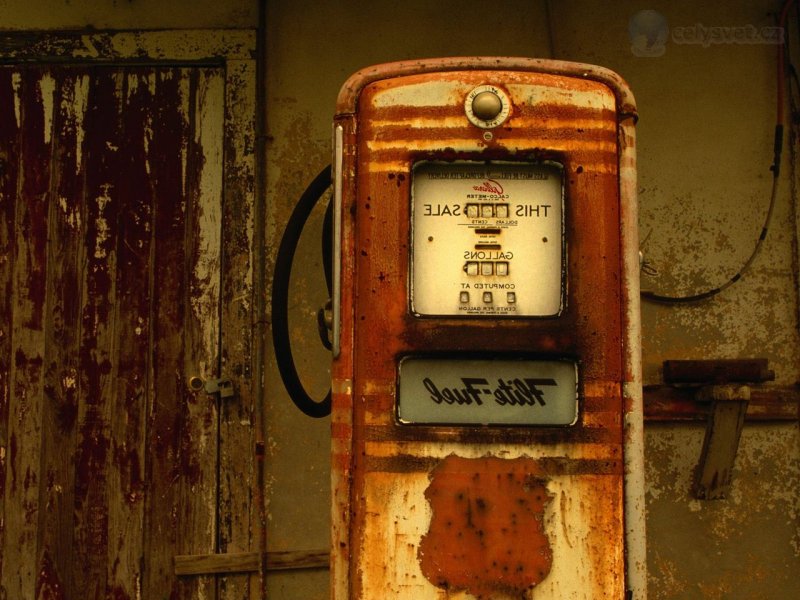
487	239
484	392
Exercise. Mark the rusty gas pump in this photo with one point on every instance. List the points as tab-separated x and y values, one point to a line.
486	390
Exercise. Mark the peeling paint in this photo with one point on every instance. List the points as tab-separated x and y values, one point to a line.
72	213
47	87
102	227
107	360
80	99
208	137
16	84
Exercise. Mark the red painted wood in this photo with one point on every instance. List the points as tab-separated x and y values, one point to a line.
62	384
110	464
23	479
9	167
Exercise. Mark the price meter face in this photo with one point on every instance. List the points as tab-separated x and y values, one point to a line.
487	239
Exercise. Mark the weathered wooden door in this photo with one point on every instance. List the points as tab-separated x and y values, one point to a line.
111	206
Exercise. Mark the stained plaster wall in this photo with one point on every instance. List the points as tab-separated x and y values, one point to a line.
707	115
704	144
127	14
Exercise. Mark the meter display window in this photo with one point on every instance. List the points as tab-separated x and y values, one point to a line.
487	239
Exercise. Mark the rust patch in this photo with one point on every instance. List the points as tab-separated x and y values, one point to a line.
487	529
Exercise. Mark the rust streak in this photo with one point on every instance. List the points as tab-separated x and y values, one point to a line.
550	466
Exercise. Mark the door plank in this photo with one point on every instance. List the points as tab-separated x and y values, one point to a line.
27	336
238	506
98	348
126	482
66	218
9	170
181	509
202	93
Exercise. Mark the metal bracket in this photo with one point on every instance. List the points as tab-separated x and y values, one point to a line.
222	386
719	381
712	478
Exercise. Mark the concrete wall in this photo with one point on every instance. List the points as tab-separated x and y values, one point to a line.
704	147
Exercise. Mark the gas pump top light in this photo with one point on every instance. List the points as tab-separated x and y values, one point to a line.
487	106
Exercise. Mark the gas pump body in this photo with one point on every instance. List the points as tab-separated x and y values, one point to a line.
486	444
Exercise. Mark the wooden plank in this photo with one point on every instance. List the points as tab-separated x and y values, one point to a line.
202	94
290	560
184	45
32	106
126	477
717	371
204	564
165	421
201	564
201	329
9	170
239	515
62	337
182	437
98	348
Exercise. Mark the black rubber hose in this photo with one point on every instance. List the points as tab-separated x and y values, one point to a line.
280	299
327	265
